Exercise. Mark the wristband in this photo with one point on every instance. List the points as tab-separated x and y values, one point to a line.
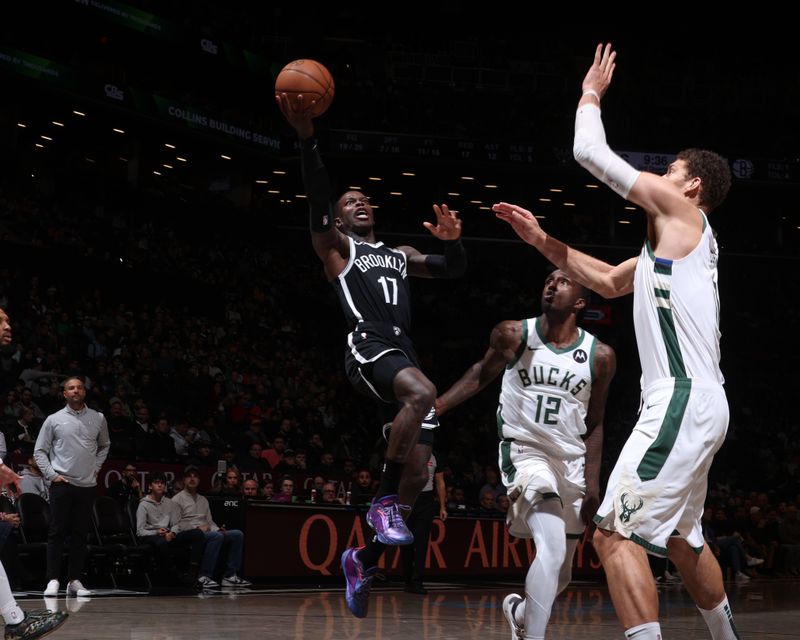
591	92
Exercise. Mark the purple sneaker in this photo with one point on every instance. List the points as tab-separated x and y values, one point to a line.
358	582
384	517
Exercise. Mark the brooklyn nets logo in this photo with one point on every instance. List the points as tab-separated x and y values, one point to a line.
579	355
627	509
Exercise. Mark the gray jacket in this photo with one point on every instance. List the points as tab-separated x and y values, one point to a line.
73	444
152	516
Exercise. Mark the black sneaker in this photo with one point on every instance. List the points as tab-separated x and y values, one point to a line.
36	624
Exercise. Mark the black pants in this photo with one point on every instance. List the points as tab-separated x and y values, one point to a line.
419	522
192	539
70	515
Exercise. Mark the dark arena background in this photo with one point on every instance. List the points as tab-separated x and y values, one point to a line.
154	239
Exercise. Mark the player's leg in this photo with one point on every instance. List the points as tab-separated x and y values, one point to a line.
546	522
415	394
20	625
392	376
703	580
630	580
412	481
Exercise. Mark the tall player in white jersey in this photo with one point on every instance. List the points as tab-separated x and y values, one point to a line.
550	425
656	491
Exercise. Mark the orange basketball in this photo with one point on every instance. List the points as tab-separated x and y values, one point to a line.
311	80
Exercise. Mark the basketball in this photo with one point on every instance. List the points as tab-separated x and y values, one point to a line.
310	79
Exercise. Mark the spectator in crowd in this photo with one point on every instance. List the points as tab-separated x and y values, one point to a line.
493	483
195	513
362	491
329	494
156	524
268	490
286	493
274	455
253	461
162	446
70	450
250	488
32	480
486	503
52	401
127	491
231	484
21	436
457	501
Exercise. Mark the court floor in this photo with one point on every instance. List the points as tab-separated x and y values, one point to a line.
763	609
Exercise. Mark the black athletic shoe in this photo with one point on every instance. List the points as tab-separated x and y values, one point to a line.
36	624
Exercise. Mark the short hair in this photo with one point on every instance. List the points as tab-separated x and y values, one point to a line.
80	379
714	173
157	476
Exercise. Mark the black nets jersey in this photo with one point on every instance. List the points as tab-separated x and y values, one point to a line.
373	287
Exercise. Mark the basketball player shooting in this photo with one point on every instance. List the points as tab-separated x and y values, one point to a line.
371	280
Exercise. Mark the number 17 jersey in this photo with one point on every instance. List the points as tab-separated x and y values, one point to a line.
545	393
373	287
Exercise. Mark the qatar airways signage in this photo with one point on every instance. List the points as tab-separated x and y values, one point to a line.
312	539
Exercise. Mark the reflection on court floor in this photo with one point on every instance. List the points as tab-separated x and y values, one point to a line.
763	609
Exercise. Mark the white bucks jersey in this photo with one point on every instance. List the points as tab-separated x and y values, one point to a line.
545	393
676	313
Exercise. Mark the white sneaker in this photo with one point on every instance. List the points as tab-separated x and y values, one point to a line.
75	588
235	581
207	583
741	577
52	588
754	562
510	604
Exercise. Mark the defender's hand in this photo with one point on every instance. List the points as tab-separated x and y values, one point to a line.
522	221
598	78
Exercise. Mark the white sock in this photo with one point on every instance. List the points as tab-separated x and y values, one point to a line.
719	621
546	522
9	608
646	631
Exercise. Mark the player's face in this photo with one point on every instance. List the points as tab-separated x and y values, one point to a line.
561	293
677	173
5	329
354	212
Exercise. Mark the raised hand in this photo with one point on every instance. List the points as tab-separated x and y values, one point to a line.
522	221
448	226
297	112
598	78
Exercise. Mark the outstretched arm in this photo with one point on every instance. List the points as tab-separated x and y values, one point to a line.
329	244
657	195
603	370
453	263
505	342
608	280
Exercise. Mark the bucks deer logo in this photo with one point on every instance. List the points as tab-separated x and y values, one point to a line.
627	509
